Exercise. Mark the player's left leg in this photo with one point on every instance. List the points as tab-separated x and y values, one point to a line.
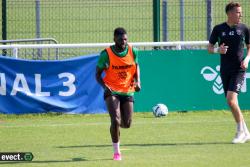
127	108
242	131
236	81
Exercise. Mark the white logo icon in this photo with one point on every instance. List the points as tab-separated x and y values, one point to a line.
210	74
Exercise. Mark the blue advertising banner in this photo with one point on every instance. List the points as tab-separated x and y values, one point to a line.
37	86
184	80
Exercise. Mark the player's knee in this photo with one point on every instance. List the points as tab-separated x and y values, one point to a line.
231	102
115	122
127	124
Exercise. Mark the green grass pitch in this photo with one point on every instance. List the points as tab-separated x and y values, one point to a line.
191	139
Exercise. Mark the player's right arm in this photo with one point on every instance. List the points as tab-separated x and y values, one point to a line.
211	48
98	76
222	49
102	64
212	41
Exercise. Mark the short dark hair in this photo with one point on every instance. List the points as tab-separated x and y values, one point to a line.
230	6
119	31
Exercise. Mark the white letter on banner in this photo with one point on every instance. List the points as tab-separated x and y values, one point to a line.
3	84
69	84
20	78
39	86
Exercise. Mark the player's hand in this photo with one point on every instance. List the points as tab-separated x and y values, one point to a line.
137	86
223	48
244	64
108	89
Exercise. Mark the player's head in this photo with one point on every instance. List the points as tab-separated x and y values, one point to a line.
234	12
120	38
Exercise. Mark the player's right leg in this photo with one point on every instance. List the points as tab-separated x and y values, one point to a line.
113	106
232	100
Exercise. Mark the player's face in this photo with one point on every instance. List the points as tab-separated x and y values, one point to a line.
121	41
235	15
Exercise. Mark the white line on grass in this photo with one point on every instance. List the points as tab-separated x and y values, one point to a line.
13	125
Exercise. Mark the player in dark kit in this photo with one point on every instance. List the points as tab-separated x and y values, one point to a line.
231	36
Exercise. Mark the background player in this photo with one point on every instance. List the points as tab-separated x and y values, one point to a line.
231	36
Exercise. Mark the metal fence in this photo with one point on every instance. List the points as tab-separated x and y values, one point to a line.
35	54
64	51
93	21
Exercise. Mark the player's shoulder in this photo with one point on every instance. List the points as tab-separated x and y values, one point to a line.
221	26
103	52
134	50
243	26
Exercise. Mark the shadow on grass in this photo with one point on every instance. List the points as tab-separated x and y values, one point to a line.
149	145
51	161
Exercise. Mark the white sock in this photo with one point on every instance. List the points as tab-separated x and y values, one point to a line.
245	127
240	127
116	147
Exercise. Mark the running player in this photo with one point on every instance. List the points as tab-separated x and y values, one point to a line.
231	36
121	80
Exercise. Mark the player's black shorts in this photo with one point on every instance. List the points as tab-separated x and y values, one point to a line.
122	98
232	81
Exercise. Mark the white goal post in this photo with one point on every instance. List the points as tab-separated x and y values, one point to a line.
177	45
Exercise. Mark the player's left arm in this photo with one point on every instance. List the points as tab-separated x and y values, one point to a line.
245	62
137	77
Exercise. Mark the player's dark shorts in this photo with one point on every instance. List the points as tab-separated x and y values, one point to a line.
233	81
122	98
